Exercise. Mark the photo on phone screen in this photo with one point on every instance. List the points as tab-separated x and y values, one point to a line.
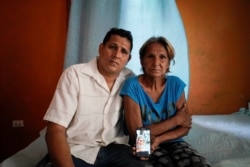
142	142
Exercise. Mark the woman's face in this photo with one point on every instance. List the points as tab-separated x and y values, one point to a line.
140	143
155	62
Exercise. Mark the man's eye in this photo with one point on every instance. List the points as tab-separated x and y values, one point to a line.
112	47
125	52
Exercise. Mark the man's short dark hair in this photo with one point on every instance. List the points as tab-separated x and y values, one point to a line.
120	32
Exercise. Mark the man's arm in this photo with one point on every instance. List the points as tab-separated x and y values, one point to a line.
57	144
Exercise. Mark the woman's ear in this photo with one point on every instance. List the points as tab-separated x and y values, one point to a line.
142	69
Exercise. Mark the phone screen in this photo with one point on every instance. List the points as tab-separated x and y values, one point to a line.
142	142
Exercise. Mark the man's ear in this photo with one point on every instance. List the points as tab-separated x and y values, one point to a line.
129	58
100	47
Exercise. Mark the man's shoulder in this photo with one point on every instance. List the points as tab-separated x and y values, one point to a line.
80	66
127	73
75	68
131	80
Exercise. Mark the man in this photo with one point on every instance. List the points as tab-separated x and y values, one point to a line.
85	123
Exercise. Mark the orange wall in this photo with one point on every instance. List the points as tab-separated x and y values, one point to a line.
219	53
32	45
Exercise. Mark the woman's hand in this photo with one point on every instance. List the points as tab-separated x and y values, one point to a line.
134	153
155	142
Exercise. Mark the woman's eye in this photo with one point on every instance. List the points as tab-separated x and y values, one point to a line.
163	57
150	56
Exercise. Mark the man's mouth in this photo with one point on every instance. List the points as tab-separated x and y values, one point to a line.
113	62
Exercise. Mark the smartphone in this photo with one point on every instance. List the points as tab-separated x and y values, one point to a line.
142	142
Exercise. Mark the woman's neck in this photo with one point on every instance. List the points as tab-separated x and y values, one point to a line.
153	86
153	83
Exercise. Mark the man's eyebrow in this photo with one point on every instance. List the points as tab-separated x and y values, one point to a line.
125	49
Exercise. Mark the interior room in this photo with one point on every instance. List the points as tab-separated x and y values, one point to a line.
38	41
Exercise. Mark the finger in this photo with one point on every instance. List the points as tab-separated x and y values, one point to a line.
184	106
144	158
183	109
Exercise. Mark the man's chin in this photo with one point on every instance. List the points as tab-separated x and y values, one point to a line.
113	68
113	71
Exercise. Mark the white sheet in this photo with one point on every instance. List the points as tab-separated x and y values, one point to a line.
223	139
235	162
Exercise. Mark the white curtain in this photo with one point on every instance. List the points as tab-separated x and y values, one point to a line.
91	19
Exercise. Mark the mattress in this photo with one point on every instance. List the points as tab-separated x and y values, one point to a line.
223	139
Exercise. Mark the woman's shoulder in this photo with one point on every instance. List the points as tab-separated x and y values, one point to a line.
173	78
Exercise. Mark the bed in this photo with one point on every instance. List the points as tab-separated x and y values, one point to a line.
223	139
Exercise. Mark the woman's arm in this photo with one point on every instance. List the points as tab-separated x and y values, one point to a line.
181	123
160	132
182	118
170	135
132	116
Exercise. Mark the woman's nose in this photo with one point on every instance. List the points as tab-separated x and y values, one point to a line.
156	61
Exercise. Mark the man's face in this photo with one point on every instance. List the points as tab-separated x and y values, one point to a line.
114	55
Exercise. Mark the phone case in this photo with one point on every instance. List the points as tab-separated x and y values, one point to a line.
142	142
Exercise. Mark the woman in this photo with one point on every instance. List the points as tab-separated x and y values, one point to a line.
157	101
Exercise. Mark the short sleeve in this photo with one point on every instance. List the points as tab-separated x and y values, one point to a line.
64	103
130	87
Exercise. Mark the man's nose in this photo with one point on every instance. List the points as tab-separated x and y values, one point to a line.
117	53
